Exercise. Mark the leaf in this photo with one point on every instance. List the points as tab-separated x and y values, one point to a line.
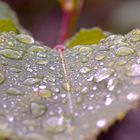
74	94
86	37
7	25
8	16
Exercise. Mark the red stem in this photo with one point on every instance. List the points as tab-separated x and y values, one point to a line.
65	30
68	21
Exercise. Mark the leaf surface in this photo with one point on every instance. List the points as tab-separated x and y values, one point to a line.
72	95
86	37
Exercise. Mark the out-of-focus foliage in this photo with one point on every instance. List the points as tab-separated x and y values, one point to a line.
86	37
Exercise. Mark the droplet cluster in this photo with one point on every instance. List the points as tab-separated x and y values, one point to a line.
103	81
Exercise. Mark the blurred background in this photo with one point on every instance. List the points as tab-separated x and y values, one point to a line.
42	18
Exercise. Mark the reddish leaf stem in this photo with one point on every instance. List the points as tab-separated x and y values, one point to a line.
71	10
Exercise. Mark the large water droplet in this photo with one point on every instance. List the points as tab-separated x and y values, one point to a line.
31	81
37	109
123	51
86	51
133	70
85	70
15	70
11	54
36	49
25	38
14	92
102	74
45	93
99	56
111	84
54	124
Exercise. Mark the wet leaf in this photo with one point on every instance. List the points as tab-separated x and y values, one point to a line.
66	98
86	37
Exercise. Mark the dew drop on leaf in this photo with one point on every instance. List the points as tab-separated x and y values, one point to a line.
103	74
123	51
25	38
111	84
133	70
55	124
11	54
31	81
14	92
37	109
84	70
45	93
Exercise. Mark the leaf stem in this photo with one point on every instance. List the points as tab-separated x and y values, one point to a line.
71	10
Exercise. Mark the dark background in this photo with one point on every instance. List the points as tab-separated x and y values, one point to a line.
42	18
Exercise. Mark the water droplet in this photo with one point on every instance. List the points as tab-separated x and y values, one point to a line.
99	56
103	74
101	123
85	70
54	89
41	54
79	100
94	88
84	90
123	51
14	92
133	70
42	62
45	93
51	79
25	38
52	68
54	124
85	59
132	96
111	84
31	81
10	118
37	109
108	101
11	54
16	70
90	108
85	50
134	35
2	78
66	86
36	49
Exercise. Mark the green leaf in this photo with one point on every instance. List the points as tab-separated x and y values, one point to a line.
86	37
7	25
73	95
8	16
